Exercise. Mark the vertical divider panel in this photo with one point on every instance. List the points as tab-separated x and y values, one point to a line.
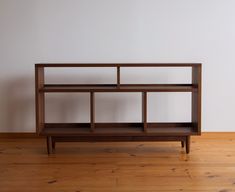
92	110
118	76
39	98
144	111
196	97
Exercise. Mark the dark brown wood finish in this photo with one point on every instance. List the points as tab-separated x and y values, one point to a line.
92	110
121	129
133	131
196	97
117	64
40	98
144	110
182	144
118	76
49	144
118	88
187	144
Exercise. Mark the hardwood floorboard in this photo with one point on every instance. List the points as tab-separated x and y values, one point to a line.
122	166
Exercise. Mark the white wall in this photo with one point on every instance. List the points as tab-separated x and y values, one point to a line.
34	31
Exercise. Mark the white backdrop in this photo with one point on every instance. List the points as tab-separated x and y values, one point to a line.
34	31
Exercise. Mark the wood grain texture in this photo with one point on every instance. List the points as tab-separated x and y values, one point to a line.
125	166
39	98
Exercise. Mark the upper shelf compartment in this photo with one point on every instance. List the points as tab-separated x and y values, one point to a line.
128	82
115	88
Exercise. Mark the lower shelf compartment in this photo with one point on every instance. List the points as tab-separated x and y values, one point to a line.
118	129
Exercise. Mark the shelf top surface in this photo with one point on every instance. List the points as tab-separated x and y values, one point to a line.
117	64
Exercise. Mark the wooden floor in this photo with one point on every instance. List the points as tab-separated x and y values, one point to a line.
124	166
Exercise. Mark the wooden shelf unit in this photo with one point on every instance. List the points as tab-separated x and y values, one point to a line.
133	131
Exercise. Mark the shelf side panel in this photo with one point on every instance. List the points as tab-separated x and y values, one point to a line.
196	97
40	98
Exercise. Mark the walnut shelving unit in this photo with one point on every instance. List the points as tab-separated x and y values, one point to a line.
134	131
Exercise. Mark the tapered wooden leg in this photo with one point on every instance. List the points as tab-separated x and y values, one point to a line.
187	144
48	145
182	144
53	144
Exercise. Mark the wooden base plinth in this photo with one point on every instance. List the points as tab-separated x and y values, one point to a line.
51	140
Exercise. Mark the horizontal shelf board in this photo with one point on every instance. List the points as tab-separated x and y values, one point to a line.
115	88
117	64
119	129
